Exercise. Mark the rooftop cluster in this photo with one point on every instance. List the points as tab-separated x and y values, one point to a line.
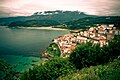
96	35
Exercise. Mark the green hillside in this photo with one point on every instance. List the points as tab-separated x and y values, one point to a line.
92	21
86	62
110	71
33	23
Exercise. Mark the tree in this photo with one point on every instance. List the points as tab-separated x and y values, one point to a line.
91	55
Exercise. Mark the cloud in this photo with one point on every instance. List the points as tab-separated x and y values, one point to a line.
28	7
108	7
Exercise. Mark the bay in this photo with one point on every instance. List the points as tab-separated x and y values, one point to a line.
23	46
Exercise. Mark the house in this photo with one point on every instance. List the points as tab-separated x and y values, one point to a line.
92	35
101	31
111	25
68	49
95	42
91	29
103	42
96	37
117	32
55	40
81	33
110	36
81	37
111	31
85	34
103	27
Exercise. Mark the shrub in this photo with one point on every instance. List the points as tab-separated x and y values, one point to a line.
50	70
7	71
108	71
90	55
54	50
85	55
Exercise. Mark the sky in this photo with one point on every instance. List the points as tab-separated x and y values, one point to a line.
28	7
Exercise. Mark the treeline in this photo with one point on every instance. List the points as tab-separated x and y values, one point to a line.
92	21
81	58
33	23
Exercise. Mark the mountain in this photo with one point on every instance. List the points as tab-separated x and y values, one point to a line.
58	16
73	19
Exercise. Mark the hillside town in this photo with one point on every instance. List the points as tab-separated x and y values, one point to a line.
96	35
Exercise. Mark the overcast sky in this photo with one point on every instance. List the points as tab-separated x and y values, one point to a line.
28	7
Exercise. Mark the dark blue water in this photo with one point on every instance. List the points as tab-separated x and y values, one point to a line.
25	43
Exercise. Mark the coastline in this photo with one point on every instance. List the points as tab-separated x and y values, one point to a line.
43	37
46	28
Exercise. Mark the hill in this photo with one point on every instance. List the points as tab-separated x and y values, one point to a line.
33	23
108	71
92	21
73	19
58	15
83	23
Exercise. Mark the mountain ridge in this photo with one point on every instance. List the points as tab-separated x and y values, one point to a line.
60	16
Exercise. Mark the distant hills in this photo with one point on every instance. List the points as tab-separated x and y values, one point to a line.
34	23
58	16
73	19
92	21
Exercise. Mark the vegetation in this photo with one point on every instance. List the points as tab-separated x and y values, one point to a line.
72	20
91	21
91	55
86	62
58	16
7	72
110	71
63	26
82	23
50	70
61	16
33	23
54	50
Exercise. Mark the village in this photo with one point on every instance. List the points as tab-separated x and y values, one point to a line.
96	35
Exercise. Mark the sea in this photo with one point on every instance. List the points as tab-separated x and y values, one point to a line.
22	47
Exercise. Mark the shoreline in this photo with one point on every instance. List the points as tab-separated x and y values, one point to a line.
46	28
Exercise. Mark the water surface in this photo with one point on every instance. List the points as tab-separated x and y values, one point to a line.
24	45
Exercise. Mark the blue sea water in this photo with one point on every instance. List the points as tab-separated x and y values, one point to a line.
22	47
